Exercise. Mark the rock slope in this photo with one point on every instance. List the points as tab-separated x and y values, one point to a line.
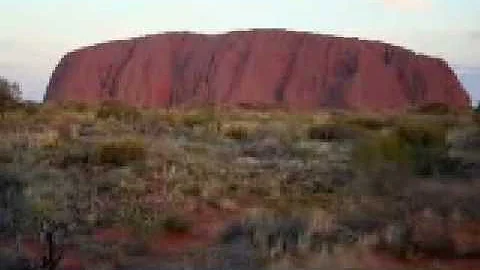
266	68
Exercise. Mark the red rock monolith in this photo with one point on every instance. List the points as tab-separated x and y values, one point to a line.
277	68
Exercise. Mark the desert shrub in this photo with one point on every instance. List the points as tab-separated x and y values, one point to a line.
476	114
30	108
267	148
53	193
466	139
98	250
68	130
369	123
116	110
418	147
427	146
10	95
121	153
7	154
362	220
194	120
388	180
330	132
434	108
10	260
272	233
423	134
476	118
201	118
477	108
176	224
172	119
136	248
378	150
384	162
73	154
14	209
45	114
151	124
237	133
75	106
141	218
145	220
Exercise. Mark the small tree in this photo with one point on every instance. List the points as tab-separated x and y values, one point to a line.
10	95
477	109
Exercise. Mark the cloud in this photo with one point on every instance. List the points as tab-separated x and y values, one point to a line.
408	4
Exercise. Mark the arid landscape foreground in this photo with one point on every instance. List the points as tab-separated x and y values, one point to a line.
123	188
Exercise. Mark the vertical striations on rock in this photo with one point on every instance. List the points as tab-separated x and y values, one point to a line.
295	70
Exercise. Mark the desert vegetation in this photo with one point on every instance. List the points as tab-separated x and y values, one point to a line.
234	189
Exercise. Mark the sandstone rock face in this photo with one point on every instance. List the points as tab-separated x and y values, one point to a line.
265	68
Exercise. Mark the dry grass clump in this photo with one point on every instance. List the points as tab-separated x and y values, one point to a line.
121	153
112	109
199	118
237	133
374	123
79	107
434	108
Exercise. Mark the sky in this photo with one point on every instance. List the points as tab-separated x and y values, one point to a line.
35	34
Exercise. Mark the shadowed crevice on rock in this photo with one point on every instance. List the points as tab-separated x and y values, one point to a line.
294	70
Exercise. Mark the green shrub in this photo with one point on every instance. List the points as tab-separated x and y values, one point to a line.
384	163
423	134
10	95
427	144
378	150
121	153
477	109
419	146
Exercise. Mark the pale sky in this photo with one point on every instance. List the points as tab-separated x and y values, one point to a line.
36	33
